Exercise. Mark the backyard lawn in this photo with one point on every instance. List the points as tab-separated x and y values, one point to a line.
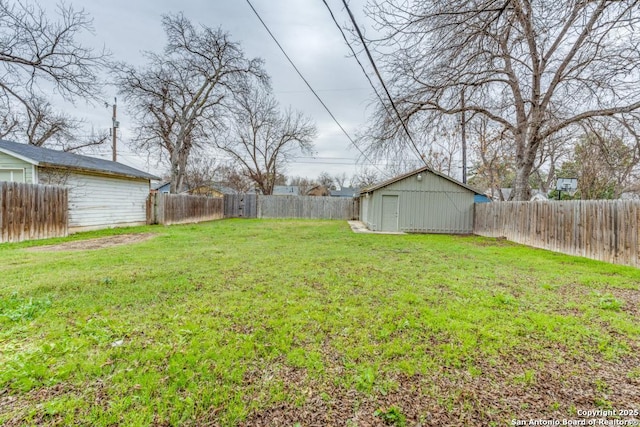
258	322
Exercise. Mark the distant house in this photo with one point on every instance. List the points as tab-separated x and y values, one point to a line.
286	190
536	194
345	192
161	188
211	190
102	193
630	195
423	201
481	198
319	191
538	197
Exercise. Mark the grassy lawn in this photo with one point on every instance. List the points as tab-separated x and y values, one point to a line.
256	322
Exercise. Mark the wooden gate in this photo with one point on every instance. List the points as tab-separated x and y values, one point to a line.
240	206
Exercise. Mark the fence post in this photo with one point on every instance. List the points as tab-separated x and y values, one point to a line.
258	206
152	209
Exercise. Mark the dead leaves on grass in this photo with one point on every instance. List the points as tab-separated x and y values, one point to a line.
454	397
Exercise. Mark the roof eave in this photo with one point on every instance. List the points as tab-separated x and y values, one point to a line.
417	171
98	171
19	156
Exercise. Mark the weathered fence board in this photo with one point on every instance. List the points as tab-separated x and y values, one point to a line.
308	207
240	206
169	209
174	209
606	230
29	212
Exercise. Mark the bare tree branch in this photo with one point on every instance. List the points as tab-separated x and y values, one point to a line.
39	57
263	139
180	98
534	69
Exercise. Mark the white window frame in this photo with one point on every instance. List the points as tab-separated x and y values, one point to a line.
12	170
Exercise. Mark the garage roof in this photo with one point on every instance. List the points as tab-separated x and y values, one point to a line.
45	157
415	172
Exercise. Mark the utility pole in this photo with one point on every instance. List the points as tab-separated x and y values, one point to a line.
463	124
114	129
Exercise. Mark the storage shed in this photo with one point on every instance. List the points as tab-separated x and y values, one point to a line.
422	201
102	193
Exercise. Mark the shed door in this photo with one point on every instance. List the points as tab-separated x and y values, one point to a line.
389	213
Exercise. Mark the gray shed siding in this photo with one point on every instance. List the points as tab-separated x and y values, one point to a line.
432	205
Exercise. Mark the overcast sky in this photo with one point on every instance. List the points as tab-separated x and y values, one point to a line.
303	27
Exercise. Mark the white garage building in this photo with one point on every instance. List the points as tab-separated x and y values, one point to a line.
102	193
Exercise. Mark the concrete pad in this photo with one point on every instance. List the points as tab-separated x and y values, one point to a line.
359	227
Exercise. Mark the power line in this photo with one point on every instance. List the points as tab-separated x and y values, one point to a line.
384	86
355	55
309	85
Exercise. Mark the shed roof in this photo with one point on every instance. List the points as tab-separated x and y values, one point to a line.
279	190
46	157
159	185
345	192
415	172
224	189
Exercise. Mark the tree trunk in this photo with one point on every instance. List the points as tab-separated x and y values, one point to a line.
183	156
521	190
526	149
175	173
178	167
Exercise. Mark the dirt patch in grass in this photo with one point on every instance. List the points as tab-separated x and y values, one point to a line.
92	244
608	298
486	241
630	300
21	406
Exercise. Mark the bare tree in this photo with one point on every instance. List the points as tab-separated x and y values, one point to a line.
201	170
179	98
235	179
325	179
39	123
262	138
553	152
365	178
304	184
435	142
340	180
493	158
38	54
9	121
532	68
604	162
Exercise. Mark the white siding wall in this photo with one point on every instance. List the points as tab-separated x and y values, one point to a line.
97	201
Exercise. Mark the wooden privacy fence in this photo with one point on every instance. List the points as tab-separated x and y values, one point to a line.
175	208
30	212
240	206
310	207
169	209
605	230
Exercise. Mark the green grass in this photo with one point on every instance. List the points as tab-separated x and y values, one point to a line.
225	322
